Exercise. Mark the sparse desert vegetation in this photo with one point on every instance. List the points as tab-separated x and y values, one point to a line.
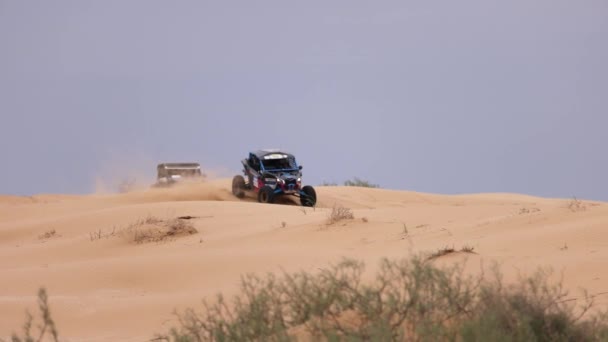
408	300
360	183
353	182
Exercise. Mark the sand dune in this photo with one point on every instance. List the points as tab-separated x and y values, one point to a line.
111	289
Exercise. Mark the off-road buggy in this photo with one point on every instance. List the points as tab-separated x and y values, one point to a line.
272	173
168	174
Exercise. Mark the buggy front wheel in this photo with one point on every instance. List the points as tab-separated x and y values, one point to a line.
266	195
308	196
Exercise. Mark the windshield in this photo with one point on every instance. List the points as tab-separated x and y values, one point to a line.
183	172
279	164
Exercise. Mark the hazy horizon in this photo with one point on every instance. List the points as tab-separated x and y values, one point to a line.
442	97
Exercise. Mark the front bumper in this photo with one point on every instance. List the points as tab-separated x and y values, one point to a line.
289	188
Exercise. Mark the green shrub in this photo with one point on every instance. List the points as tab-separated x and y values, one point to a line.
361	183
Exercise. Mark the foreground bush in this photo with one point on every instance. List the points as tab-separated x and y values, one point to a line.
45	328
408	300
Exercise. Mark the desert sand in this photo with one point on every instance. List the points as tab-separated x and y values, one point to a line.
109	288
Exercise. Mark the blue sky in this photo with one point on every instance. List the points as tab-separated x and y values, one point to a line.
433	96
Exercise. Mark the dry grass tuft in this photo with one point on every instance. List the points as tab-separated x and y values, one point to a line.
150	229
449	250
153	229
48	234
576	205
467	249
101	234
524	210
339	213
441	252
360	183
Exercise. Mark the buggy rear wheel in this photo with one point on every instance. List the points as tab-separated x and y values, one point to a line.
308	197
238	186
266	195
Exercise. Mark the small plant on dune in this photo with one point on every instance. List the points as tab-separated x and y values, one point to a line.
576	205
153	229
467	249
46	328
339	213
101	234
150	229
150	219
449	250
441	252
179	227
360	183
325	183
353	182
524	210
48	234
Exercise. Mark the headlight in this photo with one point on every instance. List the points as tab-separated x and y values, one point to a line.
299	180
281	181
